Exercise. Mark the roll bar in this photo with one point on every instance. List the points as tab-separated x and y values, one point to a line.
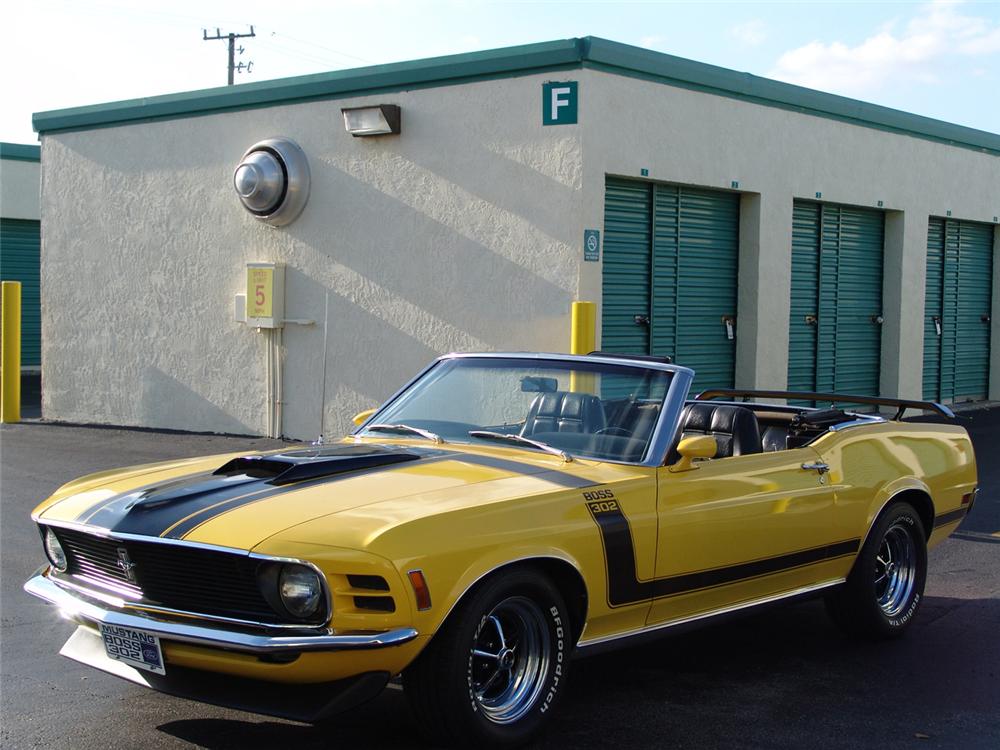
901	404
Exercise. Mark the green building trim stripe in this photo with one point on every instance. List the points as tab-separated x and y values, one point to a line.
20	152
586	52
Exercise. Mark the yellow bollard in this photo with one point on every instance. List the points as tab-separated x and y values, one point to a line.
583	340
583	334
10	374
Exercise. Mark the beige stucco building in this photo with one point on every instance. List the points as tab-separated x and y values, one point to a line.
766	234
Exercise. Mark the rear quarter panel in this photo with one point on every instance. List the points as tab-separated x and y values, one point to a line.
871	464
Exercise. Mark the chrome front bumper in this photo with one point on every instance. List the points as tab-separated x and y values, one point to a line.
78	609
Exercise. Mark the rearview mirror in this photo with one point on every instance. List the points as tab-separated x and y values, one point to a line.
690	448
539	385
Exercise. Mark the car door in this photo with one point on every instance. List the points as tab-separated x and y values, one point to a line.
736	529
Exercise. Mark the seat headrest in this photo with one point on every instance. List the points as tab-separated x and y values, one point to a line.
564	411
734	427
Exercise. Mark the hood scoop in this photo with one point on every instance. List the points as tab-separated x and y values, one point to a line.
299	465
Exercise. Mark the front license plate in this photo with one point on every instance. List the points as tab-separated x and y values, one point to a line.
136	648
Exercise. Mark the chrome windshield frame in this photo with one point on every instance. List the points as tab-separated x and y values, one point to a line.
664	433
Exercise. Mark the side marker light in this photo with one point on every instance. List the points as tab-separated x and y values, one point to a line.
419	584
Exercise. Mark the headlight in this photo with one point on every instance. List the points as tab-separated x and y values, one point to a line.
301	590
54	551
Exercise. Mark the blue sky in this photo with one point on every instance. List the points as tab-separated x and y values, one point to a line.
940	59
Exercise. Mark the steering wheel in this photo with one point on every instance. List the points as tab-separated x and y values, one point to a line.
619	431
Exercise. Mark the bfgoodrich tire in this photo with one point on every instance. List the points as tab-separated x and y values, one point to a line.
496	669
886	586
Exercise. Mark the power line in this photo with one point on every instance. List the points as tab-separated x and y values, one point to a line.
320	46
301	54
232	49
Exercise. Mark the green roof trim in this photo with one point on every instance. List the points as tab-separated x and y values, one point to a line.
20	152
625	59
586	52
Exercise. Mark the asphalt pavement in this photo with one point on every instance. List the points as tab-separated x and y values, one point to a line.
784	678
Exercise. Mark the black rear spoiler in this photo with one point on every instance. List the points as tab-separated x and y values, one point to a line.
901	404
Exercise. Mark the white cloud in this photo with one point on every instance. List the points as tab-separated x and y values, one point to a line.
984	44
752	33
650	42
940	30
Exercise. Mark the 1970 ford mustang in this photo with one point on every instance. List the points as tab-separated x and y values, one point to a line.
497	516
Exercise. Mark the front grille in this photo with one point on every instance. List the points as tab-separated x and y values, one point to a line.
191	579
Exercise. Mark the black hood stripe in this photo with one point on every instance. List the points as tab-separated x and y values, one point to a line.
176	507
89	514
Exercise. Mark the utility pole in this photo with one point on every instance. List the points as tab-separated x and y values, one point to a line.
232	48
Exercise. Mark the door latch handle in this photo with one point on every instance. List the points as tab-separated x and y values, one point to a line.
937	323
811	320
730	323
640	320
877	320
985	318
821	467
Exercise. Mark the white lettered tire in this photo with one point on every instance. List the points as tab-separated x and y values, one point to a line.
495	671
886	586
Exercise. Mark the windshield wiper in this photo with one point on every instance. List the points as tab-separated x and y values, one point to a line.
406	428
520	440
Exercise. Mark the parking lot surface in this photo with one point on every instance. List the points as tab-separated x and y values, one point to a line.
784	678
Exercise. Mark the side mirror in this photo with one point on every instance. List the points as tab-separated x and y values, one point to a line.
699	446
362	416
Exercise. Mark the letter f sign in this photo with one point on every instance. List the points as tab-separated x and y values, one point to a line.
559	103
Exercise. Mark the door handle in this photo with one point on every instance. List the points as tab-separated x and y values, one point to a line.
985	318
729	322
811	320
937	323
640	320
819	466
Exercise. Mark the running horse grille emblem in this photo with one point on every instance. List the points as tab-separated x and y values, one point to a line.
126	564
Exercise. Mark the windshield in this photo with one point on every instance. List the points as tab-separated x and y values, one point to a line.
592	410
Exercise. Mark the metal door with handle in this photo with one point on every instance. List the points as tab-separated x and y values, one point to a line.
742	528
836	318
670	276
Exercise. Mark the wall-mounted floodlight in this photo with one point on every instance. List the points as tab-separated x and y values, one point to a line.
272	180
382	119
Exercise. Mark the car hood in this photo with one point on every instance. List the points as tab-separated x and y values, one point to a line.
239	500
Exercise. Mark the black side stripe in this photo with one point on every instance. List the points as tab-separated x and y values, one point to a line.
950	517
624	586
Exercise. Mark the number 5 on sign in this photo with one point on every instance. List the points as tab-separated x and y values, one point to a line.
260	292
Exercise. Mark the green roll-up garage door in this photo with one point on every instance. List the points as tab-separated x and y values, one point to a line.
957	310
835	334
671	263
19	258
626	268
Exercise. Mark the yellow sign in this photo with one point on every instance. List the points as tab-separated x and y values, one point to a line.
260	292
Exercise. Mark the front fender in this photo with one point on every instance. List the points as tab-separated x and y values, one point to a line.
493	562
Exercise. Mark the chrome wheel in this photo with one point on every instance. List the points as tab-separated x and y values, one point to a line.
510	660
895	569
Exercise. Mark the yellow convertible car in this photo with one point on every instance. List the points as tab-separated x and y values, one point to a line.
498	516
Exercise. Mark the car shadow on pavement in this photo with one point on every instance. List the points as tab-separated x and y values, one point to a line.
785	678
383	724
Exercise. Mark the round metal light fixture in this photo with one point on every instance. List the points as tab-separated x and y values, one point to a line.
300	589
272	180
55	552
